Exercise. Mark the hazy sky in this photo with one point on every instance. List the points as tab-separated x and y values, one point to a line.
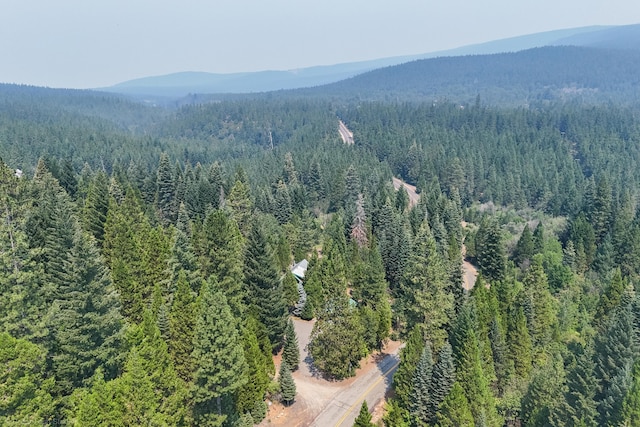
93	43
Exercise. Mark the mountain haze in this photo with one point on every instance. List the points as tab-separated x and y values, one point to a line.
183	83
530	76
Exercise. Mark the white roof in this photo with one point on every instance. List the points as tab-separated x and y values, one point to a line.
300	268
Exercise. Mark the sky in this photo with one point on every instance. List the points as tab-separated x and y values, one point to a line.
98	43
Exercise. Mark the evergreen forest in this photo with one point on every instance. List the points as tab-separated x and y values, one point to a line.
146	254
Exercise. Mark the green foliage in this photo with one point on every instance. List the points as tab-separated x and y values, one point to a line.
96	205
250	396
396	415
24	385
409	356
578	406
490	250
519	342
239	201
524	249
364	417
147	392
424	295
218	357
469	370
544	393
442	380
631	405
615	352
421	387
290	289
455	411
369	288
287	385
291	351
182	322
265	296
84	322
541	311
220	247
611	297
336	345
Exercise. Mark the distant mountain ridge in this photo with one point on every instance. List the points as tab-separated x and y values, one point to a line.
525	78
184	83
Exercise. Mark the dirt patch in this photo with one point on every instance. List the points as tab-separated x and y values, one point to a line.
315	393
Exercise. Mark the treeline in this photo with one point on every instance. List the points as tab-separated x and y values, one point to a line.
530	78
545	159
153	286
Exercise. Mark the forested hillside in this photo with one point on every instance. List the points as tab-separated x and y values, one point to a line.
145	258
531	77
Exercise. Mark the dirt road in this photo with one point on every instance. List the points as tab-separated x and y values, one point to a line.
345	134
322	403
411	191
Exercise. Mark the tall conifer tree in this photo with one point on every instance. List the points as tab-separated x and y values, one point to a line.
218	358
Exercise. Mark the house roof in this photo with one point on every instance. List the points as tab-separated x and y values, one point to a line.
300	269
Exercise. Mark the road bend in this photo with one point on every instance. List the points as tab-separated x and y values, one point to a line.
344	408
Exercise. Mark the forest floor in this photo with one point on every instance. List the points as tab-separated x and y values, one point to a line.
323	403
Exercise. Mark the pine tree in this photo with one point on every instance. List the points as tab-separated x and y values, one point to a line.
287	385
220	365
395	246
469	370
519	341
150	370
282	203
264	287
239	201
455	411
220	246
359	226
182	256
250	397
402	199
631	404
542	315
26	393
538	238
578	406
84	322
524	248
503	365
409	356
291	352
424	297
166	191
442	380
96	205
421	403
615	350
182	321
24	289
544	392
490	250
369	288
136	253
364	417
611	296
